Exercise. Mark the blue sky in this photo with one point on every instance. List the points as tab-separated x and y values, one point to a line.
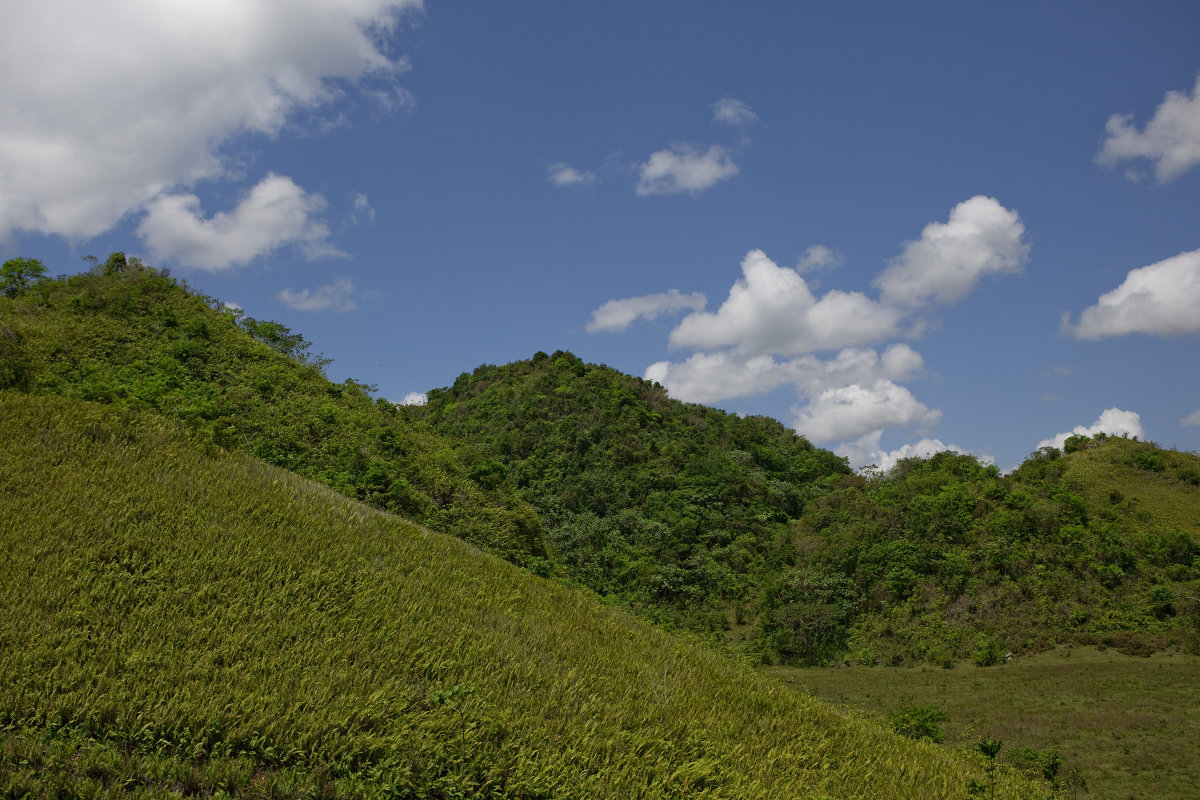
895	227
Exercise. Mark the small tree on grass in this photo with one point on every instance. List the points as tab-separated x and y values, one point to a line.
17	274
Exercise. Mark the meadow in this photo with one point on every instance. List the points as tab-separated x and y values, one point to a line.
176	619
1128	725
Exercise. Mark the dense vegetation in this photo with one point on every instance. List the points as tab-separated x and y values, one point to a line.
678	510
176	619
132	336
691	516
944	559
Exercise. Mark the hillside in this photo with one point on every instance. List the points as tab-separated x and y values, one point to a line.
129	335
945	559
180	619
678	510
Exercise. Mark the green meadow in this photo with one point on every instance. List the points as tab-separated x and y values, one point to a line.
1127	725
177	619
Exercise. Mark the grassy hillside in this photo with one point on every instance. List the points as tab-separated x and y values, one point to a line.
675	509
175	619
1127	725
132	336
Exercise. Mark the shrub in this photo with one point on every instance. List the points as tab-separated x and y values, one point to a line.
919	722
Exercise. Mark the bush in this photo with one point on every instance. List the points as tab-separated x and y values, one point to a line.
919	722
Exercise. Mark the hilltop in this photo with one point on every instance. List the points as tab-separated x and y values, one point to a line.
181	619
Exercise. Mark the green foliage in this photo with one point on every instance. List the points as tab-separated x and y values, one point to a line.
17	274
806	615
131	336
185	620
676	510
919	722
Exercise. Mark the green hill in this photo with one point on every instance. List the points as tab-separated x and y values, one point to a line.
675	509
132	336
177	619
944	559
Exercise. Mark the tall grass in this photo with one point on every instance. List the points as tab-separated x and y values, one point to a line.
175	620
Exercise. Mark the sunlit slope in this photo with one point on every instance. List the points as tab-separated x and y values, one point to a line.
175	620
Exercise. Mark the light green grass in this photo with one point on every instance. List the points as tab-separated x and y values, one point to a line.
1129	725
178	620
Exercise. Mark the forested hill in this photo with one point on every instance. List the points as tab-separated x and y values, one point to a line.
132	336
677	509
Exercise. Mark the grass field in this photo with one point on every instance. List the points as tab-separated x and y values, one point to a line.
180	620
1129	725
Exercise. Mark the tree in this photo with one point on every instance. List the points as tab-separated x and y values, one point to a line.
17	273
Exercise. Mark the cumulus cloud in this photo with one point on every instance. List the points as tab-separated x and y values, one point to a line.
733	112
772	310
273	214
415	399
981	237
850	411
711	377
684	168
108	106
1113	421
617	315
337	296
561	174
818	257
1171	139
1192	418
362	207
866	451
1162	299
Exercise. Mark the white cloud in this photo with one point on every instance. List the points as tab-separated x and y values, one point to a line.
850	411
1113	421
981	237
561	174
617	315
711	377
1192	418
683	168
1171	138
108	106
1163	299
866	451
338	296
733	112
273	214
363	207
772	310
818	257
415	399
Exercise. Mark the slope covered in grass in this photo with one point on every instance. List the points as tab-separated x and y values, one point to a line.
180	620
131	336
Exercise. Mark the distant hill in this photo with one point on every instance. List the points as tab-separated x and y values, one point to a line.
132	336
678	510
179	619
944	558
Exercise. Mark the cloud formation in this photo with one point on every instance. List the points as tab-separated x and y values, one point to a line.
818	257
127	101
711	377
415	399
561	174
275	213
617	315
867	451
684	168
847	412
1171	139
772	310
337	296
732	111
1192	418
1161	299
980	238
1113	421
